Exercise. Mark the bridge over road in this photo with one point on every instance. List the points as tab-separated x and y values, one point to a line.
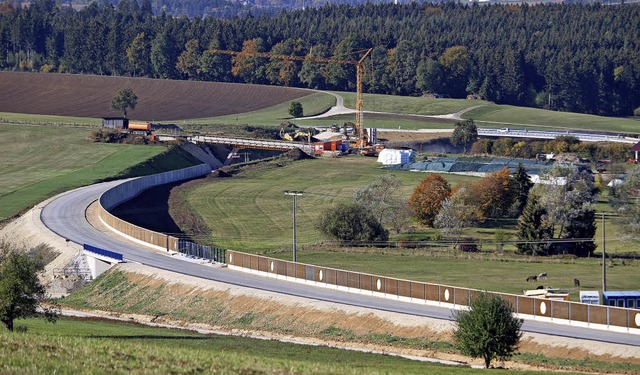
253	143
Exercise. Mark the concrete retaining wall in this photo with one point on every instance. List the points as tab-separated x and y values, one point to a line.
130	189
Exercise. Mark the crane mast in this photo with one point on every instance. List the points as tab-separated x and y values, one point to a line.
361	140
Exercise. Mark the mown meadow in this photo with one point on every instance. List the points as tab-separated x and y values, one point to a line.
92	346
485	113
38	162
250	212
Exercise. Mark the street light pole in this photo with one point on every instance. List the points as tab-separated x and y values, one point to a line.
604	257
295	195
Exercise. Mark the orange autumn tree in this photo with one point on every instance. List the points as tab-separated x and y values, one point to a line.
427	198
494	194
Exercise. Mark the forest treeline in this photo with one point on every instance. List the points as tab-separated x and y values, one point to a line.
579	58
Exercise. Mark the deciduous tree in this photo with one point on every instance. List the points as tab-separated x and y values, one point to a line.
124	100
21	292
494	193
457	212
352	223
427	198
295	109
379	197
464	134
488	329
189	59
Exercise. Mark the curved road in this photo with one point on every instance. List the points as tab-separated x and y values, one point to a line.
65	215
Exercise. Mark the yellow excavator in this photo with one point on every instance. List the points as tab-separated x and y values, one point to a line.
300	135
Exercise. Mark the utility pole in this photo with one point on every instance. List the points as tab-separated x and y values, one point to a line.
295	195
604	257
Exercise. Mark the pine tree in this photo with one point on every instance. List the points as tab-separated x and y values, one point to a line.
521	185
582	225
534	228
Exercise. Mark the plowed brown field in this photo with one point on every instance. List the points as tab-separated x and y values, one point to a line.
158	100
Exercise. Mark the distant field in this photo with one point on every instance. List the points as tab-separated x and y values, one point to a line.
494	115
209	103
499	115
73	346
312	104
37	162
158	100
26	119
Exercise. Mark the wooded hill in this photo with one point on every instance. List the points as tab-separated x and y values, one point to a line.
579	58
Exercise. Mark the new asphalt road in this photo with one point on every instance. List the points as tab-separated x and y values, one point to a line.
65	215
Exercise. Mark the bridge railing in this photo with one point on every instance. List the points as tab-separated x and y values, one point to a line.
103	252
567	312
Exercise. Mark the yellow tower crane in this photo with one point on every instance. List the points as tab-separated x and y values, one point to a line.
362	140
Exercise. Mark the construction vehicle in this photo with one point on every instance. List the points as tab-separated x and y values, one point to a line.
361	139
298	136
372	150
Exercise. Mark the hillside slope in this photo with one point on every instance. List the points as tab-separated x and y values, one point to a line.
158	100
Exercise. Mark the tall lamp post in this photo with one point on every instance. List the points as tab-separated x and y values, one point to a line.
295	195
604	256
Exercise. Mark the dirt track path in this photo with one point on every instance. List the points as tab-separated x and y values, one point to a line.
340	109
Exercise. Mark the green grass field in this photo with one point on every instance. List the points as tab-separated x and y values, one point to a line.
252	213
313	104
499	115
38	162
21	118
489	114
74	346
494	273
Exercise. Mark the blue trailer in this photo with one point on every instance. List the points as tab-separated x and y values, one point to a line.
629	299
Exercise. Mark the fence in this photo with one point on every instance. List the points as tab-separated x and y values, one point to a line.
201	251
413	291
544	309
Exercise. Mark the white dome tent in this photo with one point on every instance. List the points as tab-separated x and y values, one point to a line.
390	156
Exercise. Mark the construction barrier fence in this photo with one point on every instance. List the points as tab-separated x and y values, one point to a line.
608	316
